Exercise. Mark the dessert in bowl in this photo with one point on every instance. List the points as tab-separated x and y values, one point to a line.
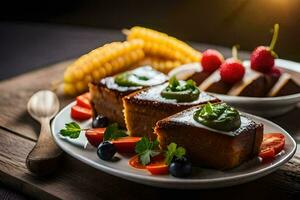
258	93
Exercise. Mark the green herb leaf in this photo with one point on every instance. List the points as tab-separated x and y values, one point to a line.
113	132
173	151
71	130
208	108
173	82
146	149
191	84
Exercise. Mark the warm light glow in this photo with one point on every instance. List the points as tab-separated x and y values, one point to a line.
284	3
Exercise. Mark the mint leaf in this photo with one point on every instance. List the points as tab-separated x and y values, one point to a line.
190	84
173	151
209	108
146	149
180	152
173	82
113	132
71	130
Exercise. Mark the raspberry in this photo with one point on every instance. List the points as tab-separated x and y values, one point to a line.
232	71
211	60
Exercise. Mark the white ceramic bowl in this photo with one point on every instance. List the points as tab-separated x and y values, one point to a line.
262	106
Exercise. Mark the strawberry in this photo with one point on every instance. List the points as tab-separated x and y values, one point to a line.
211	60
232	70
95	136
275	71
262	58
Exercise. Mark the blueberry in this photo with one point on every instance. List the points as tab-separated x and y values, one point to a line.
180	167
106	150
100	121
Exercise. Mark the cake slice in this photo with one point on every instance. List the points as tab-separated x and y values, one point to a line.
207	146
284	86
193	71
214	84
145	107
107	94
252	85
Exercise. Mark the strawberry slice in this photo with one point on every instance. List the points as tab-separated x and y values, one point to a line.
126	144
95	136
158	165
84	100
80	113
272	144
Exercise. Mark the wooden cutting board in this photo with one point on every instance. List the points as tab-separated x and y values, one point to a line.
75	180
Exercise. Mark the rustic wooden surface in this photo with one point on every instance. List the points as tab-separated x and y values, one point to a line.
75	180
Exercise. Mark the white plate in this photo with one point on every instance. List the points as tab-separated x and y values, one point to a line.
262	106
201	178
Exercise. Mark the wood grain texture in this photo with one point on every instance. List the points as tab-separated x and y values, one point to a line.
16	92
75	180
10	195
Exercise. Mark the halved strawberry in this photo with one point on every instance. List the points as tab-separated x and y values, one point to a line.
126	144
84	100
80	113
95	136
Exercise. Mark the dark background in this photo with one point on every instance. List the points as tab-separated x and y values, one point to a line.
36	33
224	22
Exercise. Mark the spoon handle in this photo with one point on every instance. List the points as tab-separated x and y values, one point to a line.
44	157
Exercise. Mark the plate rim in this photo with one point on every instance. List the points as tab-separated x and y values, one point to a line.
191	182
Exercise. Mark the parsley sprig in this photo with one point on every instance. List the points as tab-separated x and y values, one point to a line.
113	132
146	149
71	130
174	151
175	85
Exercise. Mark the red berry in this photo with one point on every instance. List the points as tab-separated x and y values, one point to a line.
95	136
211	60
232	71
262	59
275	71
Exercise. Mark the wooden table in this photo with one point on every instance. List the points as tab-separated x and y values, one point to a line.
75	180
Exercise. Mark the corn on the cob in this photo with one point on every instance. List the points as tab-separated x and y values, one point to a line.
161	45
160	64
103	61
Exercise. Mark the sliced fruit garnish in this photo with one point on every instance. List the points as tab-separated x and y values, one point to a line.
158	168
135	162
84	100
126	144
156	162
158	165
267	153
80	113
272	144
95	136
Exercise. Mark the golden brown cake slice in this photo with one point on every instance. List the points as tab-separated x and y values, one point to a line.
210	147
145	107
107	94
